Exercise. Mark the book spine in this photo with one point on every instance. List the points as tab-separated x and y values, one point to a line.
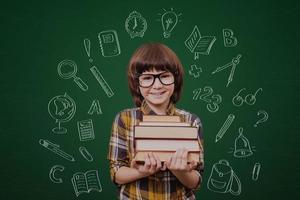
169	132
166	145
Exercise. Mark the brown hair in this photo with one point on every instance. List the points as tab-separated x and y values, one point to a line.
154	56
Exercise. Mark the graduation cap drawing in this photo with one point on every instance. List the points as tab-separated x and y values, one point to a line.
198	44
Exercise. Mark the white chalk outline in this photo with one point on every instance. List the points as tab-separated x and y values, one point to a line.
265	118
109	43
52	173
225	127
242	153
87	47
138	22
208	96
70	104
86	154
195	41
249	99
256	171
227	37
221	186
95	107
169	18
233	63
55	148
71	74
86	182
97	74
195	71
86	130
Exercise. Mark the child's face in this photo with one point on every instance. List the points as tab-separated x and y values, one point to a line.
158	94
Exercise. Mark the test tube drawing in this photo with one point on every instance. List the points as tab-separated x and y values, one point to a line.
225	127
256	171
102	81
86	154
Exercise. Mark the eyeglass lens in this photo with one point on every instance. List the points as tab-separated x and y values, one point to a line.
147	80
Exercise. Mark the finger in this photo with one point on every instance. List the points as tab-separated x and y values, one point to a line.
190	165
168	162
152	162
147	163
184	157
133	163
152	159
179	158
164	166
158	162
194	164
174	160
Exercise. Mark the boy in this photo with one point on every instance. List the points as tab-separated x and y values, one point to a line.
155	77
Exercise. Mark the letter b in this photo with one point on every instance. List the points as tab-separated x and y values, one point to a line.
229	39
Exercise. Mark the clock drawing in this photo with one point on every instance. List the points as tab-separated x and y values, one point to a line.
135	25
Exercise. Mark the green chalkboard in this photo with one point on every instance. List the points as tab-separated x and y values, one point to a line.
63	80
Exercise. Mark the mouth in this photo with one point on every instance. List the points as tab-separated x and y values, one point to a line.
157	93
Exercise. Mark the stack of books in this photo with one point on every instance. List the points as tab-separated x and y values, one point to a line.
163	135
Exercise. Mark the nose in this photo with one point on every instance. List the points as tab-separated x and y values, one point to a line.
157	83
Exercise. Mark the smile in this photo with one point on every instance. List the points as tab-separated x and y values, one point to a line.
157	93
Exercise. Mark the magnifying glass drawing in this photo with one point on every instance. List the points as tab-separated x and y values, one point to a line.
68	69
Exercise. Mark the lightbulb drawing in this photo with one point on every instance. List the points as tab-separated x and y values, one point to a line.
169	20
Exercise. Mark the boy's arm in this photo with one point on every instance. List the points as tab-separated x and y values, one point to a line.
178	166
126	175
135	171
184	172
121	170
190	179
118	147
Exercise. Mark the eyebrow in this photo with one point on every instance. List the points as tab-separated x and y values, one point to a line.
155	74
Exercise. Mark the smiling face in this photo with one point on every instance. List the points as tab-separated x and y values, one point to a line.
158	95
155	58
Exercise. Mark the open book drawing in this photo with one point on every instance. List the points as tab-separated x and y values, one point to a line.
86	182
198	44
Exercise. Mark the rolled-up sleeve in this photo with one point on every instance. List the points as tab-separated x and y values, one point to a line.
118	147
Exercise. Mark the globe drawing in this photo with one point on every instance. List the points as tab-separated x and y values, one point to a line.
61	108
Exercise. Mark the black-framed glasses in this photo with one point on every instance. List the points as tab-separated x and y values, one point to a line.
147	80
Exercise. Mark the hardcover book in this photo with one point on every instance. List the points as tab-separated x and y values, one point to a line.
165	155
170	132
161	118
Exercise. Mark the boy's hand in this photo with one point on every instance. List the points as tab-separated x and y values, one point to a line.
178	162
152	165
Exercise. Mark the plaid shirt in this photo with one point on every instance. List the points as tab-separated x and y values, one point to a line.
161	185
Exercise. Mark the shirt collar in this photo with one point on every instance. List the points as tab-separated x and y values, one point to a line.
147	110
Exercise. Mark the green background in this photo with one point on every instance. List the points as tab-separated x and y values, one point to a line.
36	36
